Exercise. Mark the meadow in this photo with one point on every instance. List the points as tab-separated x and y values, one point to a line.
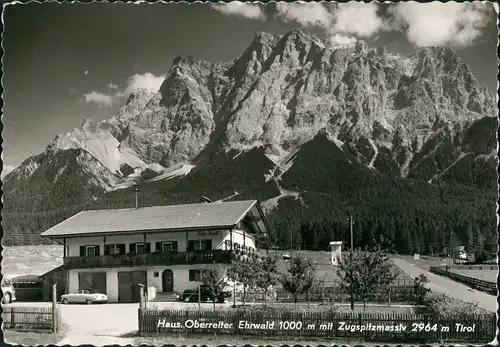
30	260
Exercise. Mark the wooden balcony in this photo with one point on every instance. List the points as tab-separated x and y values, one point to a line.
151	259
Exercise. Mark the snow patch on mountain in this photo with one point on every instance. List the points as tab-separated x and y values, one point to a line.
101	144
175	171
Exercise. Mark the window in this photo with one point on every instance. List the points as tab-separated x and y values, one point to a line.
199	245
167	247
140	248
114	249
90	251
195	275
156	274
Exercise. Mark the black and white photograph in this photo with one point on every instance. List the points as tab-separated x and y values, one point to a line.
263	173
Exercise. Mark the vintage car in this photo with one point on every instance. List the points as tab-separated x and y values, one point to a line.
8	290
84	296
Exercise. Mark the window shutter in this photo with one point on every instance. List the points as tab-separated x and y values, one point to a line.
106	249
121	247
131	247
174	246
97	250
158	247
148	247
82	251
208	245
191	275
190	247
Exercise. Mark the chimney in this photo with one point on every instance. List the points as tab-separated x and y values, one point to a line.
136	190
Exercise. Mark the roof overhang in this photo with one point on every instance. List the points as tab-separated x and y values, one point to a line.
133	232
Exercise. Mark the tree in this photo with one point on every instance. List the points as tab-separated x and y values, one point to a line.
419	283
243	273
364	274
298	277
266	274
215	281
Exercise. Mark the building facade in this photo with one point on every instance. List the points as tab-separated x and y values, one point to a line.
163	248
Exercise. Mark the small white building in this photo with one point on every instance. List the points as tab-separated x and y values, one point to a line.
336	249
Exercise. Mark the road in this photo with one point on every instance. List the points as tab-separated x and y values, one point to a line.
441	284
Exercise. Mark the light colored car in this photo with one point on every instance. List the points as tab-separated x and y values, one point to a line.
8	291
84	296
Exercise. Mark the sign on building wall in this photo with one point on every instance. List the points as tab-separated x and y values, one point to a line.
208	233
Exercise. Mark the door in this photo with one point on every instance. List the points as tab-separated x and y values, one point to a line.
128	285
124	286
138	277
168	281
92	280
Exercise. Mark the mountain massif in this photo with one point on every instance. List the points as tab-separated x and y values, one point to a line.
315	131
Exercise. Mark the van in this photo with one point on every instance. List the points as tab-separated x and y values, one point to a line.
8	291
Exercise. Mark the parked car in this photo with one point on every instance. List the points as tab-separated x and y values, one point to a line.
204	294
84	296
8	291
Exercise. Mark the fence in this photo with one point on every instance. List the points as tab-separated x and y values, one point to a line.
327	324
31	318
484	286
396	294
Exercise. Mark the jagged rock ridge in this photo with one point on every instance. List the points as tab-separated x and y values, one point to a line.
404	116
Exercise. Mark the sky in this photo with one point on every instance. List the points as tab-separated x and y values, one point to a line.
64	63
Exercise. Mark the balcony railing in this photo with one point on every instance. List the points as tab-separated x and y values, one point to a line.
175	258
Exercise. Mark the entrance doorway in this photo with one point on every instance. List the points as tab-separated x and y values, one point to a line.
168	281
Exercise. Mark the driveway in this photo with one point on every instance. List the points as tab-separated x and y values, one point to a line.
441	284
99	325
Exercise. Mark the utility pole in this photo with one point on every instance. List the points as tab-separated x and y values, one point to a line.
351	256
352	234
449	252
136	190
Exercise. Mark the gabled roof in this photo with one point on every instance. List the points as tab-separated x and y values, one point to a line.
155	218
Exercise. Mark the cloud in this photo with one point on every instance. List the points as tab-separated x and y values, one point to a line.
440	24
340	40
359	19
349	19
137	81
99	98
145	81
306	14
425	24
7	169
240	9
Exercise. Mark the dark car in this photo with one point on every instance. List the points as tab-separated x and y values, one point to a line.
204	294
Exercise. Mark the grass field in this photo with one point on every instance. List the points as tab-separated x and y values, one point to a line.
484	275
31	338
322	261
31	260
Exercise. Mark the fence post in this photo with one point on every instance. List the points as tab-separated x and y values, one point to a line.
12	318
54	308
141	297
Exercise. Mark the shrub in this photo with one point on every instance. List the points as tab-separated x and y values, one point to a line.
444	305
481	256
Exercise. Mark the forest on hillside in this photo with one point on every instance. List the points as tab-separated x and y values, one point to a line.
410	215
